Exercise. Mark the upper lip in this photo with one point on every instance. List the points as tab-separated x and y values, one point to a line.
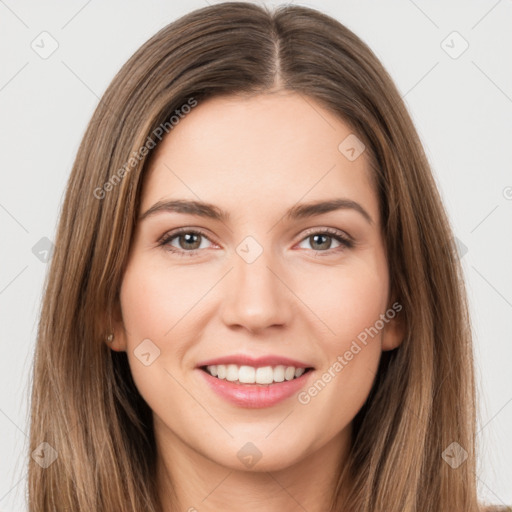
257	362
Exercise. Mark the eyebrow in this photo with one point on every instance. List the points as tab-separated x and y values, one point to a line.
299	211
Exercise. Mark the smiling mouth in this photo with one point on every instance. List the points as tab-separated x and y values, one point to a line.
263	375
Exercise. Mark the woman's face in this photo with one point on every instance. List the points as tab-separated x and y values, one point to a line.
262	291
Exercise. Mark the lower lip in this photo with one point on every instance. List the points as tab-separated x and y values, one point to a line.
255	396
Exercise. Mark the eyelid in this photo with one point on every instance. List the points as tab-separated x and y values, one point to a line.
178	231
331	231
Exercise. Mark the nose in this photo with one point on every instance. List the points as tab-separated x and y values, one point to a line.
255	294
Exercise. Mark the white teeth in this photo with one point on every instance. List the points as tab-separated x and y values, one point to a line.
279	373
251	375
247	375
289	373
221	371
299	372
264	375
232	372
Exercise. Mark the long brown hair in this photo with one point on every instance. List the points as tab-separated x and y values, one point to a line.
84	402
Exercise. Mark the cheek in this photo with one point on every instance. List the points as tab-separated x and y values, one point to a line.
161	304
347	303
152	308
353	312
350	306
154	300
156	305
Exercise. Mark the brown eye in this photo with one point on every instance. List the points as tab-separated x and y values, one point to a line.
188	241
321	241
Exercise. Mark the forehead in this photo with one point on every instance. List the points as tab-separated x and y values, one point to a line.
259	152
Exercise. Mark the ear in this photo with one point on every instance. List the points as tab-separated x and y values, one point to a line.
118	342
393	332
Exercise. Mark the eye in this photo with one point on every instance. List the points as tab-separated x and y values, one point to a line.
189	241
322	239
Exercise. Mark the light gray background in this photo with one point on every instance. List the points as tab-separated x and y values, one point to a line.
462	108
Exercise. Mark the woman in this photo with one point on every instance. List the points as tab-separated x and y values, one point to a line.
255	369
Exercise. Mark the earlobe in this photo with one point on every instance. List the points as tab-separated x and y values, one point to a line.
115	343
116	337
393	333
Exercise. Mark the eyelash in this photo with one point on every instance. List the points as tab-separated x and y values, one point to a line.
345	241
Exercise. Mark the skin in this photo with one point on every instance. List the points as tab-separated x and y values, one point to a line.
255	158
